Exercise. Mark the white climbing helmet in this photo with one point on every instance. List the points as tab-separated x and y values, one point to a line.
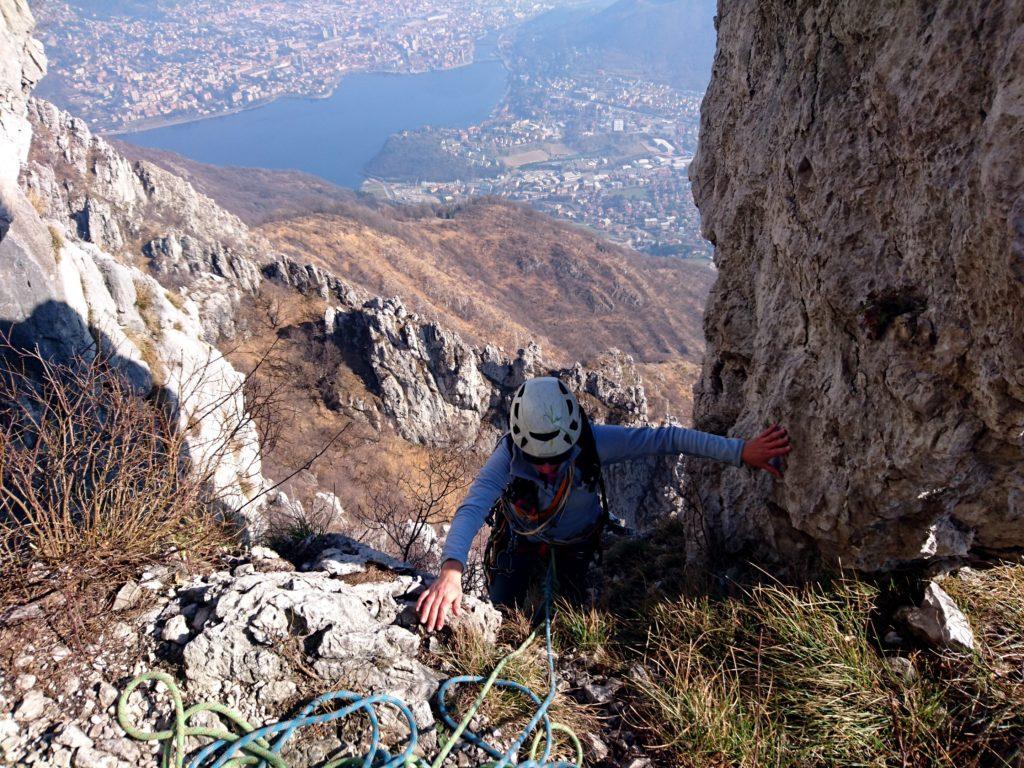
545	419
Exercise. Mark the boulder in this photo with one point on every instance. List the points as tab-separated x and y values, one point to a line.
262	625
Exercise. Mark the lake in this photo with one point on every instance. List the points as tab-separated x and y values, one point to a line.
336	137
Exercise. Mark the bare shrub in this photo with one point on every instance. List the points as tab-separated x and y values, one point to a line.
399	510
474	572
295	528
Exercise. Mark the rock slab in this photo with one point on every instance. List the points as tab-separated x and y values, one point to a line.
860	175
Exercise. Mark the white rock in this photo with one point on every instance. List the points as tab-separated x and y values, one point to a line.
25	682
128	596
328	508
92	758
176	630
939	621
32	706
263	553
9	731
478	616
902	667
71	736
597	750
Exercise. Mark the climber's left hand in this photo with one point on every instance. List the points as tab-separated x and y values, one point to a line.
758	452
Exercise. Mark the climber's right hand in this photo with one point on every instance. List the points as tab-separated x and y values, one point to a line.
444	594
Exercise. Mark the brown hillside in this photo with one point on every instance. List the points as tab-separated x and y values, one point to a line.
503	274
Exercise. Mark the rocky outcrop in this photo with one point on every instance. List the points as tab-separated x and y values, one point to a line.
438	390
69	296
859	175
259	636
310	280
427	378
22	64
137	209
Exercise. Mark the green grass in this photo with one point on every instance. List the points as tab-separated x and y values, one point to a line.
768	674
774	675
587	632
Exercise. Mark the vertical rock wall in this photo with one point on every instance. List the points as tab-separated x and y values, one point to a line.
68	297
861	174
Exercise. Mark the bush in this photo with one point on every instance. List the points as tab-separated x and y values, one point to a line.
96	479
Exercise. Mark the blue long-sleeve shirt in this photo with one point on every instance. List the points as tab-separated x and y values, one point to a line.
583	508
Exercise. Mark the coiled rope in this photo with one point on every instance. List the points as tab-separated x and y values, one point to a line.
242	744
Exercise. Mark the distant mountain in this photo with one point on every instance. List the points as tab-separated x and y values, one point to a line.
670	41
493	271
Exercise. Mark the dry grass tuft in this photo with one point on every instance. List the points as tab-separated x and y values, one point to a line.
56	243
95	479
777	675
176	299
145	303
467	653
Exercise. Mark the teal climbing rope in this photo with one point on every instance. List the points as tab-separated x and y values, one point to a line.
240	743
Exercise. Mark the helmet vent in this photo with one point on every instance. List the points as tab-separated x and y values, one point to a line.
574	425
568	404
544	436
515	429
561	386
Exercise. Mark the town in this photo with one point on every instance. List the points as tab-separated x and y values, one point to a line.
199	58
606	150
609	152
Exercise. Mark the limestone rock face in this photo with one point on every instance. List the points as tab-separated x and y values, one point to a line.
136	209
67	289
428	377
22	64
860	174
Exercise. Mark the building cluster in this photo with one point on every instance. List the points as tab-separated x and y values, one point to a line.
191	58
610	153
606	150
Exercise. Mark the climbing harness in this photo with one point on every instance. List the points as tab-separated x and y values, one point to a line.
246	745
517	506
539	519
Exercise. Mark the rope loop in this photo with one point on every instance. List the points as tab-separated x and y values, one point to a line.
241	744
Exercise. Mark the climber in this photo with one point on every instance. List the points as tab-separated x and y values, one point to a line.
542	488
